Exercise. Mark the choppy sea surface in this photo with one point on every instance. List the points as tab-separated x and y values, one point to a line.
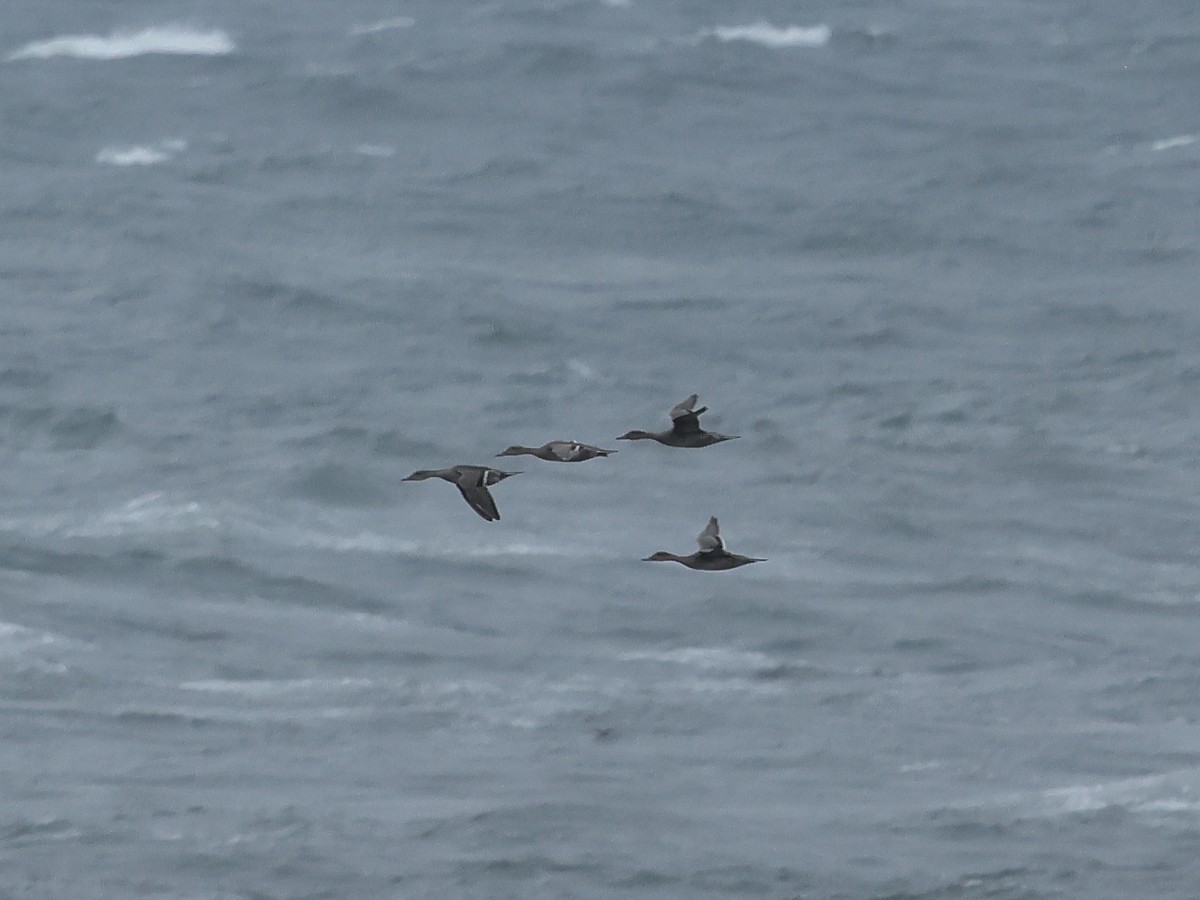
936	263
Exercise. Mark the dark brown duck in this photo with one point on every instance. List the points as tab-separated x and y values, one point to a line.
685	430
712	555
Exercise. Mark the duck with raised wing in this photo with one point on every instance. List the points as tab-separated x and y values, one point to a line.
558	451
685	430
472	482
712	555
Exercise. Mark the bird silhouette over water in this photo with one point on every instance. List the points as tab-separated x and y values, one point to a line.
685	430
558	451
472	482
712	555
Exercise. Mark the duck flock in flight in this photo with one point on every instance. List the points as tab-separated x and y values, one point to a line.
685	431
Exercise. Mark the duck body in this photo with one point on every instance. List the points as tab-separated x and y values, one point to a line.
712	555
472	482
713	561
685	430
672	438
559	451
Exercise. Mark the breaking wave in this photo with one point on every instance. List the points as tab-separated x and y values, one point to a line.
768	35
169	39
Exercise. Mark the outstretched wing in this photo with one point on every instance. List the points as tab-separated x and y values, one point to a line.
710	538
683	408
471	486
481	501
684	418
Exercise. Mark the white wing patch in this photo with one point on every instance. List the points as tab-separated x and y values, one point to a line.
566	450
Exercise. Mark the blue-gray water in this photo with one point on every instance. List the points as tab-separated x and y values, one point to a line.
935	261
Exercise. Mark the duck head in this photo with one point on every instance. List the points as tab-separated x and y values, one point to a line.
661	556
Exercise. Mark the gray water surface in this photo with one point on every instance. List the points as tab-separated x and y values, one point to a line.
935	262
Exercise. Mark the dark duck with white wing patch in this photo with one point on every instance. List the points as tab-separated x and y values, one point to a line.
472	482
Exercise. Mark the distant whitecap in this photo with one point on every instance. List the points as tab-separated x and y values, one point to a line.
720	658
169	39
131	156
261	688
383	25
1146	793
1182	140
140	155
768	35
152	513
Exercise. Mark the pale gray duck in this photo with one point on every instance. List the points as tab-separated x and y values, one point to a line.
558	451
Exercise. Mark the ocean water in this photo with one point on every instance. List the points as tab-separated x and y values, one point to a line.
934	261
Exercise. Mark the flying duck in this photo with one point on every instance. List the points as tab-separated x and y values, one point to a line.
712	555
559	451
472	482
685	430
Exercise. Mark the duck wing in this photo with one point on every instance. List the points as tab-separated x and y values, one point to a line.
683	407
710	538
685	419
471	485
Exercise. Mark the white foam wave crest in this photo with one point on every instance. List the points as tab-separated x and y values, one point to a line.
157	514
768	35
369	542
30	649
262	687
1183	140
716	687
168	39
16	637
140	155
524	703
150	513
391	24
1168	792
724	659
131	156
251	716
